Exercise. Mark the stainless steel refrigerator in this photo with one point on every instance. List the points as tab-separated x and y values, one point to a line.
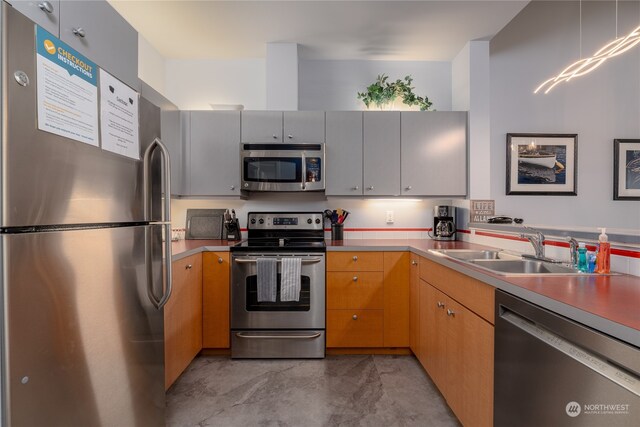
82	253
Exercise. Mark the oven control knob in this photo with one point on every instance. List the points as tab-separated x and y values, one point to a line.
261	220
309	221
317	220
253	220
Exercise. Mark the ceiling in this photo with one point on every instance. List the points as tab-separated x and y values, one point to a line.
329	29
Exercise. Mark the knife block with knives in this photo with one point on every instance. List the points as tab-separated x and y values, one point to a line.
231	229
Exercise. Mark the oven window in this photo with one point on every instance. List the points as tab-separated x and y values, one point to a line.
252	303
272	169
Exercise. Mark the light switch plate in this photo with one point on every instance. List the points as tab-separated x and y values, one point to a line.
389	217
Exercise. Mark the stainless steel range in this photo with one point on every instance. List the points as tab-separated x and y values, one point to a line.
279	326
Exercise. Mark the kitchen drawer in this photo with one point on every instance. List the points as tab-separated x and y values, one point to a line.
355	290
473	294
355	328
355	261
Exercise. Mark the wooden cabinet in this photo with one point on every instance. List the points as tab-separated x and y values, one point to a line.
396	299
278	126
96	30
368	299
45	15
456	343
214	153
414	305
183	318
381	153
355	328
215	300
434	153
343	169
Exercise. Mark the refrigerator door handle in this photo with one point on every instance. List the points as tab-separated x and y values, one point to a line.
166	221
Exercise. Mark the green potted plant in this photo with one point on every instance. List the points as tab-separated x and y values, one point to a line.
383	94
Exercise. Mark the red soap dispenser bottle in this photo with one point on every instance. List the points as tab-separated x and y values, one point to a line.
603	260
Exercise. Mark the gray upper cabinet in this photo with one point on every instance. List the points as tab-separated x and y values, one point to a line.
381	153
304	126
343	167
44	13
434	153
262	126
175	131
214	153
96	30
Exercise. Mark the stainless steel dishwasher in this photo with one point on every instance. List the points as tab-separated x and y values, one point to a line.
552	371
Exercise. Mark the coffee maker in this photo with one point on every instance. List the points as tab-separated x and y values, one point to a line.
444	222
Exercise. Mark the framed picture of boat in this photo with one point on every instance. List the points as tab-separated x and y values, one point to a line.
626	169
542	164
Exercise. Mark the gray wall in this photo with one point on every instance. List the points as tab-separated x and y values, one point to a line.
605	104
333	85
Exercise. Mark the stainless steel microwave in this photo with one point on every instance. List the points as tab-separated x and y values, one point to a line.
282	167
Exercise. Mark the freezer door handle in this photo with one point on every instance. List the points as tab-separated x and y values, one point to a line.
166	221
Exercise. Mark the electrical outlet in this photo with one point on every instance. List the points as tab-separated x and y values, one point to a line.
389	217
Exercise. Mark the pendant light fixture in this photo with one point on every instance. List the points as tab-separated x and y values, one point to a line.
586	65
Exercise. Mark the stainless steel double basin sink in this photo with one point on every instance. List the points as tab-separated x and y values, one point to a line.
508	264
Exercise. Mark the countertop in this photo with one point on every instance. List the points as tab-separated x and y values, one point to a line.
609	304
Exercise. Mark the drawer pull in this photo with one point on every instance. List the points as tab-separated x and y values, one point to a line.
440	304
355	278
355	317
220	260
355	258
277	337
451	313
188	267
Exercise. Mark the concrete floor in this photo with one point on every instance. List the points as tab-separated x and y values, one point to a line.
336	391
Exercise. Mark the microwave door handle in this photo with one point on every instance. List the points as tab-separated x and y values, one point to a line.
304	170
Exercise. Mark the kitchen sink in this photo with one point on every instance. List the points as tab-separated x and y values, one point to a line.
508	264
470	254
525	267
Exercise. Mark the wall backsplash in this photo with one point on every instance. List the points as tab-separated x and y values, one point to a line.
412	217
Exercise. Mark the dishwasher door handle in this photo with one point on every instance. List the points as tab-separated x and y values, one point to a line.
579	354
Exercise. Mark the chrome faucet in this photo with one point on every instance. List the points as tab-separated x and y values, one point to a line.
573	248
537	241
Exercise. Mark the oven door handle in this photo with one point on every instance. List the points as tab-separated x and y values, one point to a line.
287	337
279	260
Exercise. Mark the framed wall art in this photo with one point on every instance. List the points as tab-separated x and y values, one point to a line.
542	164
626	169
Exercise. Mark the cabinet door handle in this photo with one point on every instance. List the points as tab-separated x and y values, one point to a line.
79	32
290	136
188	267
220	260
355	258
45	6
414	262
451	312
355	278
440	304
356	188
233	187
408	188
275	136
355	317
370	188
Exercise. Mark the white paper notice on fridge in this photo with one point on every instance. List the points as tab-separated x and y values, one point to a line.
118	117
67	90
